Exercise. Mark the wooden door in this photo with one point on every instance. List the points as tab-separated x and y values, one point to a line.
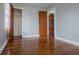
51	25
43	23
11	31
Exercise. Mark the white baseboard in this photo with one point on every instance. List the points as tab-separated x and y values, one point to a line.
30	36
68	41
3	46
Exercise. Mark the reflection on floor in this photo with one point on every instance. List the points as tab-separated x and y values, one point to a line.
39	46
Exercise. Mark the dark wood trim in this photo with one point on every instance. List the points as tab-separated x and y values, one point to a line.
11	31
51	25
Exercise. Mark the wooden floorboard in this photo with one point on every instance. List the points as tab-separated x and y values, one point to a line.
39	46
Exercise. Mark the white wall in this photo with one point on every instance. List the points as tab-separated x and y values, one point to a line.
3	33
30	22
2	30
67	21
17	25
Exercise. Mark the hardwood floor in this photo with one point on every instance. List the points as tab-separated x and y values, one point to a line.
39	46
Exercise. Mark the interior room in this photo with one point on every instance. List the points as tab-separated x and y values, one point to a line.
39	28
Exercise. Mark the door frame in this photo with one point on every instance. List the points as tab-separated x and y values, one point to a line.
11	30
22	18
53	11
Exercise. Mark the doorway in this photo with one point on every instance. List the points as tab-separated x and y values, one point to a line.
17	23
43	23
51	25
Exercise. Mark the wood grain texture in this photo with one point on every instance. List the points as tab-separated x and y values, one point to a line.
51	24
39	46
11	31
43	23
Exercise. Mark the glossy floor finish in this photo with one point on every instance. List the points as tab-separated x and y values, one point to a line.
39	46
